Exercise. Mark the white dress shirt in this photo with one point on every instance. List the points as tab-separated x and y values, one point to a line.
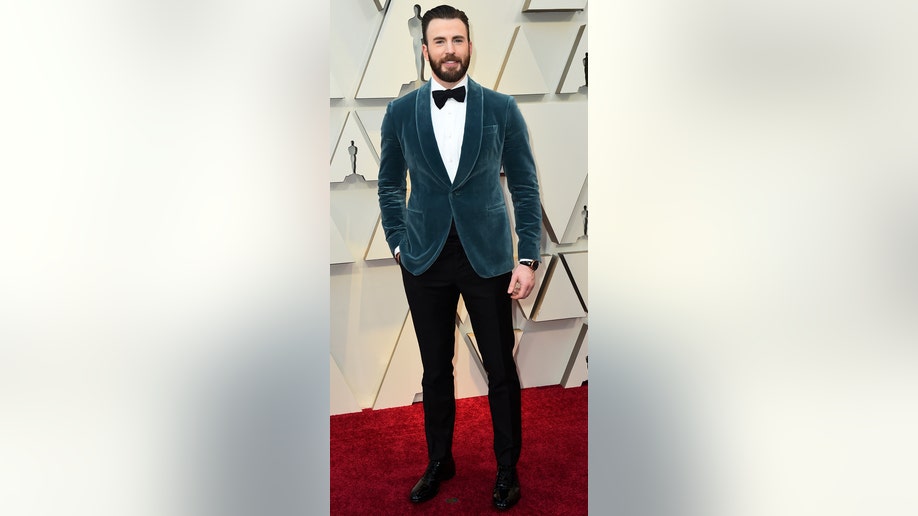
449	126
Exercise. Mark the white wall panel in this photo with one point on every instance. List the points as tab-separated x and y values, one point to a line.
378	249
576	263
354	211
538	57
518	334
521	73
471	379
554	5
339	252
559	299
576	372
402	381
576	78
367	163
342	398
391	64
371	121
368	307
579	214
334	87
559	143
336	119
354	24
545	350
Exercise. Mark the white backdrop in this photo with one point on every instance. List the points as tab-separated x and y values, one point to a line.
537	56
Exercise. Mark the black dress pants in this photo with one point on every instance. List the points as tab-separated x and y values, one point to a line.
433	298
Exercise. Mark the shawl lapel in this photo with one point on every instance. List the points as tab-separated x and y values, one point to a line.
426	136
471	140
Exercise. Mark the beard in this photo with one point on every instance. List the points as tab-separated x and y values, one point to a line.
451	75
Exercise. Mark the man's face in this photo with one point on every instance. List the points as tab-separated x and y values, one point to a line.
448	50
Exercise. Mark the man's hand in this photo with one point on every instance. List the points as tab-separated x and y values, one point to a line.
521	282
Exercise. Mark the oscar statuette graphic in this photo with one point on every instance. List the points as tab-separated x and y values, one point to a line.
417	36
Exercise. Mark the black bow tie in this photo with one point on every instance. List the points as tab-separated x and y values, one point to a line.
440	96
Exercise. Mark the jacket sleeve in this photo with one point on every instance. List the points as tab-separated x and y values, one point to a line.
522	181
392	186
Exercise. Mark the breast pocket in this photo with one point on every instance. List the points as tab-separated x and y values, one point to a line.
490	141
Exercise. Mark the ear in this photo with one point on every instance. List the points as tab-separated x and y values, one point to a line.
424	51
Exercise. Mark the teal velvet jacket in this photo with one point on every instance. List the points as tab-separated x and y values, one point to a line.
495	136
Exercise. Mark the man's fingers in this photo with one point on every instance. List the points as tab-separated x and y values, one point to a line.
520	291
522	283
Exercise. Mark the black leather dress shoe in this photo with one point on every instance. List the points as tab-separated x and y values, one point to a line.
437	471
507	488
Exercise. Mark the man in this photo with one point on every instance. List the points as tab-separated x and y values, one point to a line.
453	237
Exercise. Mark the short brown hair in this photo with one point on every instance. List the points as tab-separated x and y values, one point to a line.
444	12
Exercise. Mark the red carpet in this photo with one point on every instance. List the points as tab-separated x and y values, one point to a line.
377	456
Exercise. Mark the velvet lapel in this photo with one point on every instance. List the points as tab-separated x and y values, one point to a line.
426	136
471	139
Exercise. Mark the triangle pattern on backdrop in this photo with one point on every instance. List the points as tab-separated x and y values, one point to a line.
516	346
354	208
557	298
339	252
574	77
378	248
367	162
545	350
574	230
470	375
558	132
529	305
554	5
576	263
519	318
334	89
336	118
342	398
371	121
576	372
355	26
520	73
392	62
402	380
